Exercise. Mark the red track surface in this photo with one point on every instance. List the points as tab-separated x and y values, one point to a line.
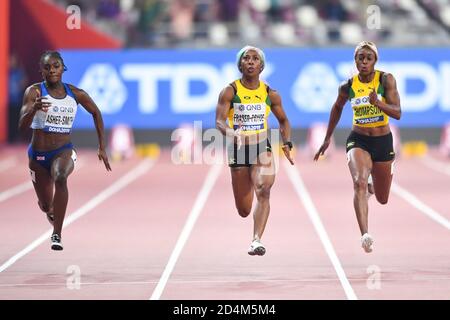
122	246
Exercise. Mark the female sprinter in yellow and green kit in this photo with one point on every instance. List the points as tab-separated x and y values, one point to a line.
246	103
374	98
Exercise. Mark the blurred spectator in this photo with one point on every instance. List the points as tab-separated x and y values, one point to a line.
160	23
333	10
229	10
108	9
182	18
16	88
150	17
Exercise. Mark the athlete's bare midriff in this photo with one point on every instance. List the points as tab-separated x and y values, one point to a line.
47	141
372	132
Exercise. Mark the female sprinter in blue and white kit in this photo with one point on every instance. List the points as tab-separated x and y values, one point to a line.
49	108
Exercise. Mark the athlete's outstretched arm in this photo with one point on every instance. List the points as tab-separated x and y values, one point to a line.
32	102
392	105
285	126
335	115
85	100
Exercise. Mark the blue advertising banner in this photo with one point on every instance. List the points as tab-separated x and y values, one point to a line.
156	89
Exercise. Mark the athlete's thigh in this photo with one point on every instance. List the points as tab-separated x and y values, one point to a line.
242	186
62	164
359	163
42	182
382	173
263	173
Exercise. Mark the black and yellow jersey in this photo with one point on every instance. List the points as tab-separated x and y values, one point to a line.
250	109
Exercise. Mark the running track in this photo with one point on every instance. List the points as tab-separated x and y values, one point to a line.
155	230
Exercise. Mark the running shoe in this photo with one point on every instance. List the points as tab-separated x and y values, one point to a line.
367	242
256	249
56	242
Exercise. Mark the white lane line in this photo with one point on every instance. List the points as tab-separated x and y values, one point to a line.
7	163
302	192
23	187
210	180
14	191
121	183
436	165
416	203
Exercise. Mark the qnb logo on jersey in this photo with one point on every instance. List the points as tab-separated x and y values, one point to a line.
105	87
250	107
63	109
66	109
360	101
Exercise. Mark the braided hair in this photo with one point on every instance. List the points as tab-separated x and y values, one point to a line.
54	54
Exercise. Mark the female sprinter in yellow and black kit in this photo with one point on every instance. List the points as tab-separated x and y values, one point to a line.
246	103
374	98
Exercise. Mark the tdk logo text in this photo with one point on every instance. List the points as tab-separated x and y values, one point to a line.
106	85
109	87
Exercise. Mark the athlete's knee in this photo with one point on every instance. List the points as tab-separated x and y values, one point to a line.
360	184
383	199
243	212
60	179
45	207
263	191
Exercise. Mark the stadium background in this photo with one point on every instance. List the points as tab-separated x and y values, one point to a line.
154	229
155	65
